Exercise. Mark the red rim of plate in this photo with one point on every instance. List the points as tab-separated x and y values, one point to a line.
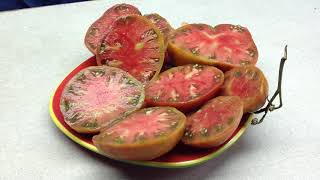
179	157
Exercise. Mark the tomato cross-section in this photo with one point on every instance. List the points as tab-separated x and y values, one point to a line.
184	87
142	135
249	83
97	95
101	26
225	45
213	123
135	45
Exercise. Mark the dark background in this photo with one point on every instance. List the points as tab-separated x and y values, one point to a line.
19	4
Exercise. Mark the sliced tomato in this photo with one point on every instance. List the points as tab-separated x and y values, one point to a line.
184	87
213	123
101	26
135	45
97	95
225	45
163	25
166	30
142	135
249	83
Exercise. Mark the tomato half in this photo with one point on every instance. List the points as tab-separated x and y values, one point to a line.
142	135
100	27
213	123
97	95
135	45
225	46
184	87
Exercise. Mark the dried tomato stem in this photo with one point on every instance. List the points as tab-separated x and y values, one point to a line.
270	106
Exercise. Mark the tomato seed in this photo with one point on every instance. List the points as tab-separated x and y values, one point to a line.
188	134
122	8
212	56
66	105
148	111
195	51
217	78
251	52
82	77
237	74
219	127
70	89
173	125
237	28
185	31
97	72
118	140
197	66
244	62
149	34
159	133
191	91
230	120
92	46
155	98
155	60
91	124
204	132
93	31
75	117
102	48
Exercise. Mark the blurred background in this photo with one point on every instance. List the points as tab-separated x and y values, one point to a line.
6	5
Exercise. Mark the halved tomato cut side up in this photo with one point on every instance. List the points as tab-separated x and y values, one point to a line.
97	95
135	45
213	123
100	27
163	25
249	83
184	87
225	46
143	135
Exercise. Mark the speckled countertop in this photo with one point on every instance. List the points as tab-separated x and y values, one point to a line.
39	46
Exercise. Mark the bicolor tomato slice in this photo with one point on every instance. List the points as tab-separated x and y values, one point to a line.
163	25
249	84
97	95
101	26
142	135
184	87
225	45
213	123
135	45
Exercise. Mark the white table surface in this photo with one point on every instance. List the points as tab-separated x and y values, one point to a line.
38	47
